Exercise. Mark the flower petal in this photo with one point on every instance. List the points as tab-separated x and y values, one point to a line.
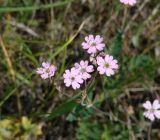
157	114
147	105
46	65
156	104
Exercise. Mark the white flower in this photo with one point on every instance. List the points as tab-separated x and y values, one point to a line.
152	110
107	65
72	78
84	69
47	70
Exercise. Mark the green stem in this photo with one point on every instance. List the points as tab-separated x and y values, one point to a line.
30	8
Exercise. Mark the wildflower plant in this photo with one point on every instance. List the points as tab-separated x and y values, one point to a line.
80	73
102	88
104	64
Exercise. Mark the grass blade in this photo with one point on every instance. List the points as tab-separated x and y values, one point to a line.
31	8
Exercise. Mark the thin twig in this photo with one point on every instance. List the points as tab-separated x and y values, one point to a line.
149	131
23	28
143	89
9	62
136	15
111	116
129	126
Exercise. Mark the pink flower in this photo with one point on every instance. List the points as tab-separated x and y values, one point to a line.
47	70
107	65
84	69
129	2
93	45
72	78
152	110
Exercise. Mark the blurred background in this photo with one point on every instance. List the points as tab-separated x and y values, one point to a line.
33	31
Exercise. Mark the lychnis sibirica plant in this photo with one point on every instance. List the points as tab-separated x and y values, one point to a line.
80	70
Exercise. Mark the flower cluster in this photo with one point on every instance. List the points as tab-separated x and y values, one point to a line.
81	71
128	2
152	110
78	74
47	70
105	64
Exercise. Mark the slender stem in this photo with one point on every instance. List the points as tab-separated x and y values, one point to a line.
149	131
124	17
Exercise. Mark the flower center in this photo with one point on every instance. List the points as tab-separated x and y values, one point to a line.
152	110
93	44
83	70
72	78
106	65
48	70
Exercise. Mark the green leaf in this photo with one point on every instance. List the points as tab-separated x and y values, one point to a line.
88	131
139	61
116	47
110	131
62	109
80	112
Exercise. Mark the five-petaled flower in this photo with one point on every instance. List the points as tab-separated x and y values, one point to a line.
93	44
84	69
47	70
153	111
107	65
128	2
72	78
